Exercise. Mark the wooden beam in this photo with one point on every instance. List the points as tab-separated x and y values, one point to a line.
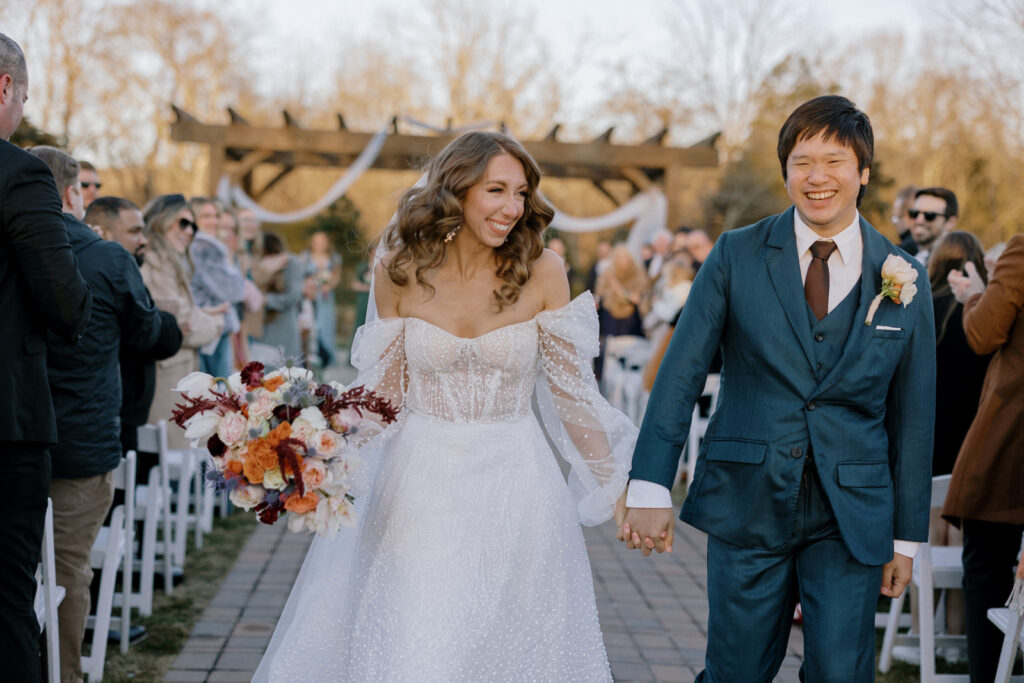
274	181
180	115
606	136
553	134
249	162
289	120
636	177
658	138
603	190
236	118
341	122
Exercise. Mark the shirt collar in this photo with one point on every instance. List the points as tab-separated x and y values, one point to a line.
848	240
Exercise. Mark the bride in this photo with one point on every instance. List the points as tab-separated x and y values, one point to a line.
468	562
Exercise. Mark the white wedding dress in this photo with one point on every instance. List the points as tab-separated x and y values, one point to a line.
468	562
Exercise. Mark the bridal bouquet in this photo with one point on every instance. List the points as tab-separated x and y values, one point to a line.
279	441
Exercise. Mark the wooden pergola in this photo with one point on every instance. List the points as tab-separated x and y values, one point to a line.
238	148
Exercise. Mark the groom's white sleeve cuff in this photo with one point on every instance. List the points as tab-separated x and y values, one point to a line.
908	548
647	494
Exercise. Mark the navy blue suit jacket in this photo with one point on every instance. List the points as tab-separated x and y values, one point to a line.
868	421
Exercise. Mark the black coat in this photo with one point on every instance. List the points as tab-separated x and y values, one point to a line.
40	288
959	376
85	379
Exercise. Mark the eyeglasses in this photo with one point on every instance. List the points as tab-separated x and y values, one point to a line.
928	215
87	184
186	224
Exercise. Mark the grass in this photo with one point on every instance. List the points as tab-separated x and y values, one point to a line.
174	615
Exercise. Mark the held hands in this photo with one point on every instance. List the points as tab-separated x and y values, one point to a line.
646	528
896	575
965	286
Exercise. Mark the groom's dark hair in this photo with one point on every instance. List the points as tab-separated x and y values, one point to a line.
839	119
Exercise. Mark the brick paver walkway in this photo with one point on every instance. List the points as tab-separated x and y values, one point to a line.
653	610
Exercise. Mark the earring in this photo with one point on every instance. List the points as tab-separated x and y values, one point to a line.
451	234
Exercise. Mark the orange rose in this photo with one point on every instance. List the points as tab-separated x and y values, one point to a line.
253	471
262	452
234	466
279	433
273	383
303	504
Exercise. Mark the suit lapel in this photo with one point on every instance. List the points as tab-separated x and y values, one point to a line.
875	251
784	270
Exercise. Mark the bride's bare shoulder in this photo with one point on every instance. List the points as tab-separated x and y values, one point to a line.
549	280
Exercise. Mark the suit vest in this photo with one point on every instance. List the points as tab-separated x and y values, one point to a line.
830	333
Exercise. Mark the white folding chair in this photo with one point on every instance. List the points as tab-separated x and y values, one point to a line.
699	427
48	598
936	567
149	509
1009	622
624	359
153	439
183	473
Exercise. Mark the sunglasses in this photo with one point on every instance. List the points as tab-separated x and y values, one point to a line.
88	184
186	224
928	215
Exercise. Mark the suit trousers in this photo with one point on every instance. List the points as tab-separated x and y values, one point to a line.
79	508
752	593
27	481
990	556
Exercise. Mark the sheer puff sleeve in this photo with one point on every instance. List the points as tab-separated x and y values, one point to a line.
378	354
595	439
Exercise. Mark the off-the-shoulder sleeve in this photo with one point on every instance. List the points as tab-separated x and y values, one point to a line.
595	439
378	354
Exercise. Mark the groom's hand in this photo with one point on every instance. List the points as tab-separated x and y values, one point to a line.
648	529
896	575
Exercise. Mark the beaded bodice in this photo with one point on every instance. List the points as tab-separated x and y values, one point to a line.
489	378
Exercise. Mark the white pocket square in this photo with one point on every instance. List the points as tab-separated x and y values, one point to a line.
886	327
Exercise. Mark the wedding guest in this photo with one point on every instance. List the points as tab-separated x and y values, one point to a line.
813	483
85	382
41	289
985	497
557	245
901	219
325	265
90	179
361	286
122	222
669	295
280	277
935	212
699	246
622	291
216	283
993	254
167	273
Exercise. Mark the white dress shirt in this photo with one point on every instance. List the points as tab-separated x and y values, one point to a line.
844	270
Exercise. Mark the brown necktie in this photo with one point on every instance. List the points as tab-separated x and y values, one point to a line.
816	282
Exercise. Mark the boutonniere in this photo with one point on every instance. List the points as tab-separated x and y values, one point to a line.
897	284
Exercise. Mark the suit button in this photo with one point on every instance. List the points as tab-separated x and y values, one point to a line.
812	405
797	452
819	337
819	365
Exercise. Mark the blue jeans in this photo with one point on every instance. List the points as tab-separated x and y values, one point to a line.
218	363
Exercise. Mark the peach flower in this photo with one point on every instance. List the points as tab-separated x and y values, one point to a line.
302	504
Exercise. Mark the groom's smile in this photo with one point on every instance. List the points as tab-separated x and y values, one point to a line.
823	182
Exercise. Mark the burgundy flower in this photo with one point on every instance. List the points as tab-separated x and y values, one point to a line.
252	374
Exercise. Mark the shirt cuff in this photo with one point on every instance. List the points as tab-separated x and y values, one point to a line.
908	548
647	494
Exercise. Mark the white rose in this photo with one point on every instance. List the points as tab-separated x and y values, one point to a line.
898	270
246	497
907	293
296	523
196	385
202	426
313	416
272	479
262	404
326	443
232	428
345	420
302	430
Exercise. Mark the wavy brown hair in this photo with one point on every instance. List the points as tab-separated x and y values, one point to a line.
428	212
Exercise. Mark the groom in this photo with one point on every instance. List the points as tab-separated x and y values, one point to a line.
816	465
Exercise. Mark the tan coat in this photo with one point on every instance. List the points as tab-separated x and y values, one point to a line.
988	478
172	294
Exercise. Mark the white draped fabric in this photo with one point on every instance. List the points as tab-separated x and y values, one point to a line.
648	211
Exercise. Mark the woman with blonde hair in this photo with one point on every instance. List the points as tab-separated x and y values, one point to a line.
468	563
167	272
622	290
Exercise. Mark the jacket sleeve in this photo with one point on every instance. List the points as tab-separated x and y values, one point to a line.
683	371
140	319
169	339
215	279
35	229
910	422
989	317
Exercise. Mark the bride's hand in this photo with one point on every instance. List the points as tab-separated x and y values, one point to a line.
620	513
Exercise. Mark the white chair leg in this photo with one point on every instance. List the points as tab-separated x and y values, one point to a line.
1009	650
891	626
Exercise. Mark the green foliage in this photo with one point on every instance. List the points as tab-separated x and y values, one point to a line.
27	135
